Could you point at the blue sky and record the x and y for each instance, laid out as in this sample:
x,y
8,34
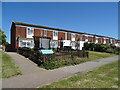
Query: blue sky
x,y
91,17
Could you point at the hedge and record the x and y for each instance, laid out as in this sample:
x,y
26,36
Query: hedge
x,y
102,47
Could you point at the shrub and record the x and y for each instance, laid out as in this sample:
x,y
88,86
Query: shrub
x,y
102,47
26,51
52,63
117,50
110,50
35,48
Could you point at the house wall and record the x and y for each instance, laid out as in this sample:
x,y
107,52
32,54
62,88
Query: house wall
x,y
61,36
13,37
19,31
102,40
68,36
50,34
90,39
83,37
113,41
94,39
99,40
77,37
107,41
38,32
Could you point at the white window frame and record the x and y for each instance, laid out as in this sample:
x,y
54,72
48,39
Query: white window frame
x,y
26,41
27,32
55,35
86,39
104,40
54,44
73,36
44,32
110,40
81,37
96,39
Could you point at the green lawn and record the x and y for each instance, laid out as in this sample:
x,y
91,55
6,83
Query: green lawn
x,y
99,55
103,77
54,63
8,66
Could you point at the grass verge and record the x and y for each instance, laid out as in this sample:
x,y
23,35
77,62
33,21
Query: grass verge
x,y
8,66
54,63
103,77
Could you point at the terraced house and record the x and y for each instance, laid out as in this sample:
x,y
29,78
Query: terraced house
x,y
22,35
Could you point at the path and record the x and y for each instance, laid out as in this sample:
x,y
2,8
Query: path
x,y
34,76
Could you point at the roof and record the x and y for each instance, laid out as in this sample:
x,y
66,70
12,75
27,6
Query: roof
x,y
45,27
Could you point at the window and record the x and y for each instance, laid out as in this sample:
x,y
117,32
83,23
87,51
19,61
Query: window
x,y
54,44
86,37
104,39
55,34
20,43
97,39
111,40
80,38
45,32
73,35
30,31
26,43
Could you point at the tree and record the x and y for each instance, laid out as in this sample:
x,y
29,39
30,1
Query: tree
x,y
2,37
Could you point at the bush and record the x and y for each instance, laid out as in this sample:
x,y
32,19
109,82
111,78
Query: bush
x,y
110,50
99,47
117,50
52,63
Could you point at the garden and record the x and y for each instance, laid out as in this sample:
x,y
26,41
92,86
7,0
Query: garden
x,y
60,58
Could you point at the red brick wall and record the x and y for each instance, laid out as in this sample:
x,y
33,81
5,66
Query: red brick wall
x,y
99,40
89,39
113,41
20,31
83,37
107,40
68,36
77,37
61,36
102,40
38,32
50,34
94,39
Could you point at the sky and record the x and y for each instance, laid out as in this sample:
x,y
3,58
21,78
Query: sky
x,y
99,18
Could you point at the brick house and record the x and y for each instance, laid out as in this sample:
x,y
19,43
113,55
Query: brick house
x,y
22,36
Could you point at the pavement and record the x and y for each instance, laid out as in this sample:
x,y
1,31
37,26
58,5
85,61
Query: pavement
x,y
34,76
